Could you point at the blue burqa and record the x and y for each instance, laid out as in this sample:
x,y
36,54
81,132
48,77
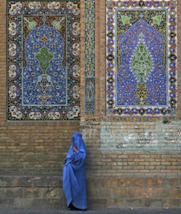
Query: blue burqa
x,y
74,183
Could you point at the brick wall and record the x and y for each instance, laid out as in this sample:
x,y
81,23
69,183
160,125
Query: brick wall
x,y
110,155
144,150
130,144
141,137
29,147
45,192
131,162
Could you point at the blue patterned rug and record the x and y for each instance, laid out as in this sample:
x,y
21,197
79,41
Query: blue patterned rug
x,y
141,57
43,60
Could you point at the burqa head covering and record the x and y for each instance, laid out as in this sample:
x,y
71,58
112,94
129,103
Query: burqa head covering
x,y
77,142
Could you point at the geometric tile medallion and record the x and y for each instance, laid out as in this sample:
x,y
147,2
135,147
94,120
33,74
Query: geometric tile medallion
x,y
141,57
43,60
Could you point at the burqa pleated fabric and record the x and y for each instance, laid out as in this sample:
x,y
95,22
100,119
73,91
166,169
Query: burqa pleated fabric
x,y
74,183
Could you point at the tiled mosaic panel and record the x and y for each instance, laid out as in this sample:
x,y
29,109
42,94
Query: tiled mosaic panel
x,y
89,56
43,60
141,57
90,95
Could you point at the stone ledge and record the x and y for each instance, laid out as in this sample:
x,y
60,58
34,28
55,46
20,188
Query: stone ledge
x,y
129,180
46,192
30,181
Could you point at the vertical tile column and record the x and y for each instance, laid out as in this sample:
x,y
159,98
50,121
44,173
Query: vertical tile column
x,y
89,57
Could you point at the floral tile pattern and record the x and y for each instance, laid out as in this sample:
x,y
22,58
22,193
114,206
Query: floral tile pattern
x,y
43,60
141,57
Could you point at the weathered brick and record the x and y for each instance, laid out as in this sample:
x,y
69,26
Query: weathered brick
x,y
127,158
171,203
177,193
116,203
153,182
135,203
92,193
97,203
171,182
6,204
153,203
120,193
135,182
14,193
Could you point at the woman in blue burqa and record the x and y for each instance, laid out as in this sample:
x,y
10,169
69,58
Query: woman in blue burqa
x,y
74,183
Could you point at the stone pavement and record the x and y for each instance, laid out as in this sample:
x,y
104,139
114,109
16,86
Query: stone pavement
x,y
108,211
